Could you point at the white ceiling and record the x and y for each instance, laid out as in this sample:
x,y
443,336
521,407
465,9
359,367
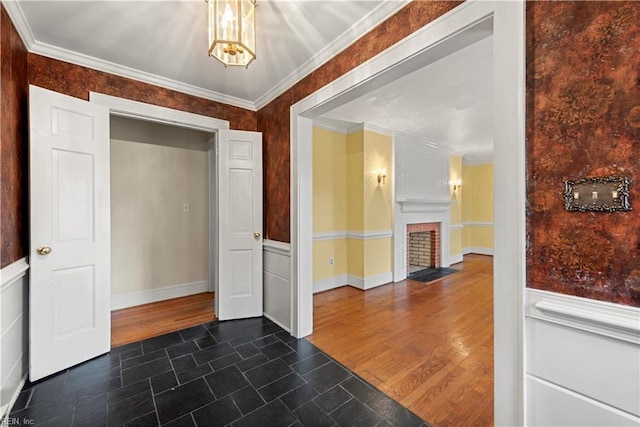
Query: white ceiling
x,y
165,43
448,103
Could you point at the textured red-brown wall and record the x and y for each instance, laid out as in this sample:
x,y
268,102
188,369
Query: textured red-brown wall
x,y
13,144
583,120
78,81
274,120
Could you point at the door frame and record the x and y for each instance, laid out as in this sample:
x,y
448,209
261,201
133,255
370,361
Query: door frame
x,y
508,20
154,113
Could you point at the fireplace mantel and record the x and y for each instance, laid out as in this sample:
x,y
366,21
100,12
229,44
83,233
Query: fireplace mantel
x,y
424,205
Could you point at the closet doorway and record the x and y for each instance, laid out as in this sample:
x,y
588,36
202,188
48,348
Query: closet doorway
x,y
159,228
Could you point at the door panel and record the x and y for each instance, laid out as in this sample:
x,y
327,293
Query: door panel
x,y
239,225
69,315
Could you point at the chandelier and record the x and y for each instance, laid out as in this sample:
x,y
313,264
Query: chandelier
x,y
232,31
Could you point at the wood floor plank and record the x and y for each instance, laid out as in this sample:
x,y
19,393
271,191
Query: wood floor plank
x,y
429,346
149,320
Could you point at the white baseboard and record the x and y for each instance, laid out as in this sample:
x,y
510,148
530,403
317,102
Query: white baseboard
x,y
358,282
154,295
454,259
330,283
274,320
365,283
477,250
6,409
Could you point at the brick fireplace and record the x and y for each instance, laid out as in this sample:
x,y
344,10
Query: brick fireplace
x,y
423,246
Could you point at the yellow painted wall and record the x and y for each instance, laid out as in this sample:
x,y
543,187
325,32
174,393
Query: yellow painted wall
x,y
329,202
377,256
355,181
323,250
378,206
347,197
355,252
455,211
477,205
482,196
329,181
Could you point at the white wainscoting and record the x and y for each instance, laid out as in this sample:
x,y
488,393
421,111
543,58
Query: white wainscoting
x,y
14,340
148,296
582,361
277,283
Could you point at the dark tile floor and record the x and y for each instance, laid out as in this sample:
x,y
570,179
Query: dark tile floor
x,y
430,274
239,373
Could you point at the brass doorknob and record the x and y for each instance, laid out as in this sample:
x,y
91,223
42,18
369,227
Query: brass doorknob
x,y
43,250
256,234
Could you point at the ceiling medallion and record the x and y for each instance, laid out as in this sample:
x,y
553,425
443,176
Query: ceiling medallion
x,y
232,31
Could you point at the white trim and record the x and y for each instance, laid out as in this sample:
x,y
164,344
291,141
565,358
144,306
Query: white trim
x,y
147,296
155,113
370,235
599,317
371,128
357,30
621,417
477,224
331,127
280,248
6,409
356,235
424,205
20,22
330,235
477,250
410,54
364,25
94,63
456,227
454,259
274,320
13,272
22,26
330,283
365,283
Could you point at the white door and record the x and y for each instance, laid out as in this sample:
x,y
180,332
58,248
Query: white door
x,y
69,301
239,225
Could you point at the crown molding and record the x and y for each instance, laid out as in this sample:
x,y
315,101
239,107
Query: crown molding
x,y
360,28
364,25
131,73
331,127
20,22
17,17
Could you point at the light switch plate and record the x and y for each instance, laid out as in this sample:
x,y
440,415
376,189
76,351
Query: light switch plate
x,y
604,194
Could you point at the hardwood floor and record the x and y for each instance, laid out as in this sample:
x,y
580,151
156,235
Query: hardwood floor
x,y
429,346
145,321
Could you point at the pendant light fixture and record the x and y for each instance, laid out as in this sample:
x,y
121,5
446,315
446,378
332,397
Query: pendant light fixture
x,y
232,31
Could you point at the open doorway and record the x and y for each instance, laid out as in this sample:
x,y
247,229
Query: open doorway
x,y
507,19
159,229
424,341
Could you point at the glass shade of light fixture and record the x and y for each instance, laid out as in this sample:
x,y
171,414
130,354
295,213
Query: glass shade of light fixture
x,y
232,31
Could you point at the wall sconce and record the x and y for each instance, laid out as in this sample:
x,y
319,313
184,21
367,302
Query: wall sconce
x,y
382,176
457,185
